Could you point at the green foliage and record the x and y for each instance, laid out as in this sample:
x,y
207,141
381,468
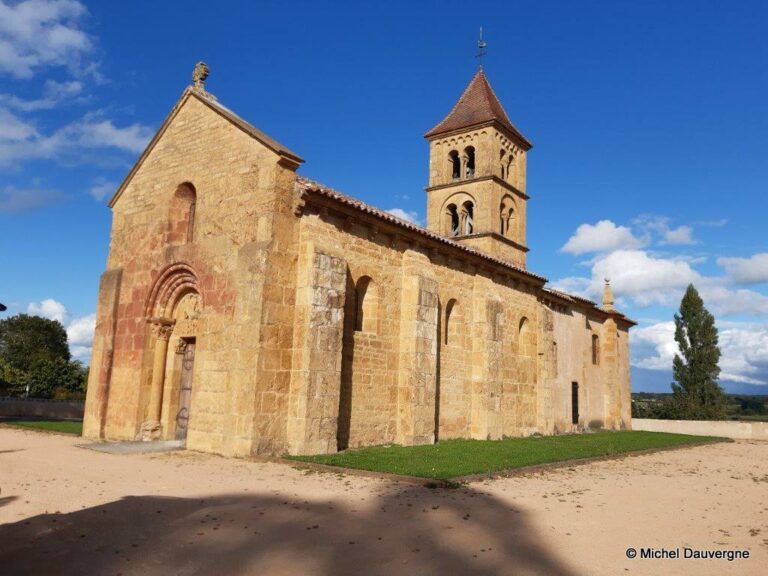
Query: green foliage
x,y
696,394
752,406
661,408
454,458
62,426
737,406
34,353
26,340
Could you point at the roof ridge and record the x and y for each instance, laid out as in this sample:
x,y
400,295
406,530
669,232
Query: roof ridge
x,y
307,184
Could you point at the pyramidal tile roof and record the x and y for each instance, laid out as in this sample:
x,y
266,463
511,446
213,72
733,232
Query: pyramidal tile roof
x,y
478,105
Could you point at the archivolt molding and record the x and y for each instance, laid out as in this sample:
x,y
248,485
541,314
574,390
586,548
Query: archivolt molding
x,y
171,285
459,198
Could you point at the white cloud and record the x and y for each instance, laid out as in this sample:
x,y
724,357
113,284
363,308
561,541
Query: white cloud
x,y
604,236
91,132
54,93
412,217
723,301
102,188
79,330
713,223
654,346
572,285
48,308
752,270
745,355
647,279
14,200
80,336
679,235
744,349
42,33
13,129
659,225
644,278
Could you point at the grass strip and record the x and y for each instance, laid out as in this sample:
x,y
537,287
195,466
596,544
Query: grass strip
x,y
61,426
454,458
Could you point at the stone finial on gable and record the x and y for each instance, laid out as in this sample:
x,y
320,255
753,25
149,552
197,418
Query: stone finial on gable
x,y
608,296
199,76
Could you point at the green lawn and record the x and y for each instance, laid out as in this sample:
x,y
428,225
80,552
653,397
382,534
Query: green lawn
x,y
455,458
65,427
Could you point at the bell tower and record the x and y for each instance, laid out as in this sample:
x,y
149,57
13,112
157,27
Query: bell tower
x,y
476,192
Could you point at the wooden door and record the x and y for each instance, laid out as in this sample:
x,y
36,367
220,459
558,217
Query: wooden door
x,y
185,393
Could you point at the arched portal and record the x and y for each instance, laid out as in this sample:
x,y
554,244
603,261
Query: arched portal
x,y
172,311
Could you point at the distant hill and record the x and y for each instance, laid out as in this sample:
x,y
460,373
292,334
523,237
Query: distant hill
x,y
644,380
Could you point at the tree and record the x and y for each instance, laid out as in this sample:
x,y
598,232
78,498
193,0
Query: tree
x,y
696,393
35,358
26,340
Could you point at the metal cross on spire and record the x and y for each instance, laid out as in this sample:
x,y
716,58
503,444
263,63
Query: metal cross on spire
x,y
481,46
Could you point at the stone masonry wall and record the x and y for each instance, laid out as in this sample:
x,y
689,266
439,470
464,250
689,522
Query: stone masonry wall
x,y
502,372
319,327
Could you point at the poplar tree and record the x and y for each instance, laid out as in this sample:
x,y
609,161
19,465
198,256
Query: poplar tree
x,y
696,393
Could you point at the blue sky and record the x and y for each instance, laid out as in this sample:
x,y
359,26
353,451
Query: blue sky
x,y
648,121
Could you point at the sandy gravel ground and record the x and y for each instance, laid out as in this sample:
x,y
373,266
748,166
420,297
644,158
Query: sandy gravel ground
x,y
66,510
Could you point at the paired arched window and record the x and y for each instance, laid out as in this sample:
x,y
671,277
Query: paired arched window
x,y
502,165
182,214
595,349
367,305
455,164
462,166
469,162
452,220
507,217
467,217
458,217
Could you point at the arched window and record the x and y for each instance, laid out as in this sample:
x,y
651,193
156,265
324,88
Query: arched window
x,y
507,216
450,324
367,300
455,164
182,216
467,217
451,221
508,165
595,349
469,159
526,340
501,162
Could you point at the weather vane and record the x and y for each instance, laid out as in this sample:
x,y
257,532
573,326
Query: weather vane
x,y
481,46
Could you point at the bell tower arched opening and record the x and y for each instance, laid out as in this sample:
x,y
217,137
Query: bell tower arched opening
x,y
477,150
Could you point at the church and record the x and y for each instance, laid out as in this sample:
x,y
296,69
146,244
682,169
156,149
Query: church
x,y
246,309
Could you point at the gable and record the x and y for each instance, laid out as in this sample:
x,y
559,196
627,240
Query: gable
x,y
284,155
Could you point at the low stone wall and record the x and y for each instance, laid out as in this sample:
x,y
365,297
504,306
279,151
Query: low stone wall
x,y
724,428
41,408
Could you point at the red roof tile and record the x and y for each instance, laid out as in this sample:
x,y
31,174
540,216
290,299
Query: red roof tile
x,y
477,105
304,184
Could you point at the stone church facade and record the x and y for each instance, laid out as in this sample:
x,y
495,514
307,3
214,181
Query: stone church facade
x,y
248,310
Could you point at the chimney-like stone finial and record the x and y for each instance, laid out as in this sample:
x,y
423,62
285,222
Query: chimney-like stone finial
x,y
608,296
199,75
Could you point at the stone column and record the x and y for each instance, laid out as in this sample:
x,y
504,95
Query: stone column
x,y
417,375
161,331
99,376
313,406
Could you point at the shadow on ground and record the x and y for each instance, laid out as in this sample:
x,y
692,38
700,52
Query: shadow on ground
x,y
404,530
